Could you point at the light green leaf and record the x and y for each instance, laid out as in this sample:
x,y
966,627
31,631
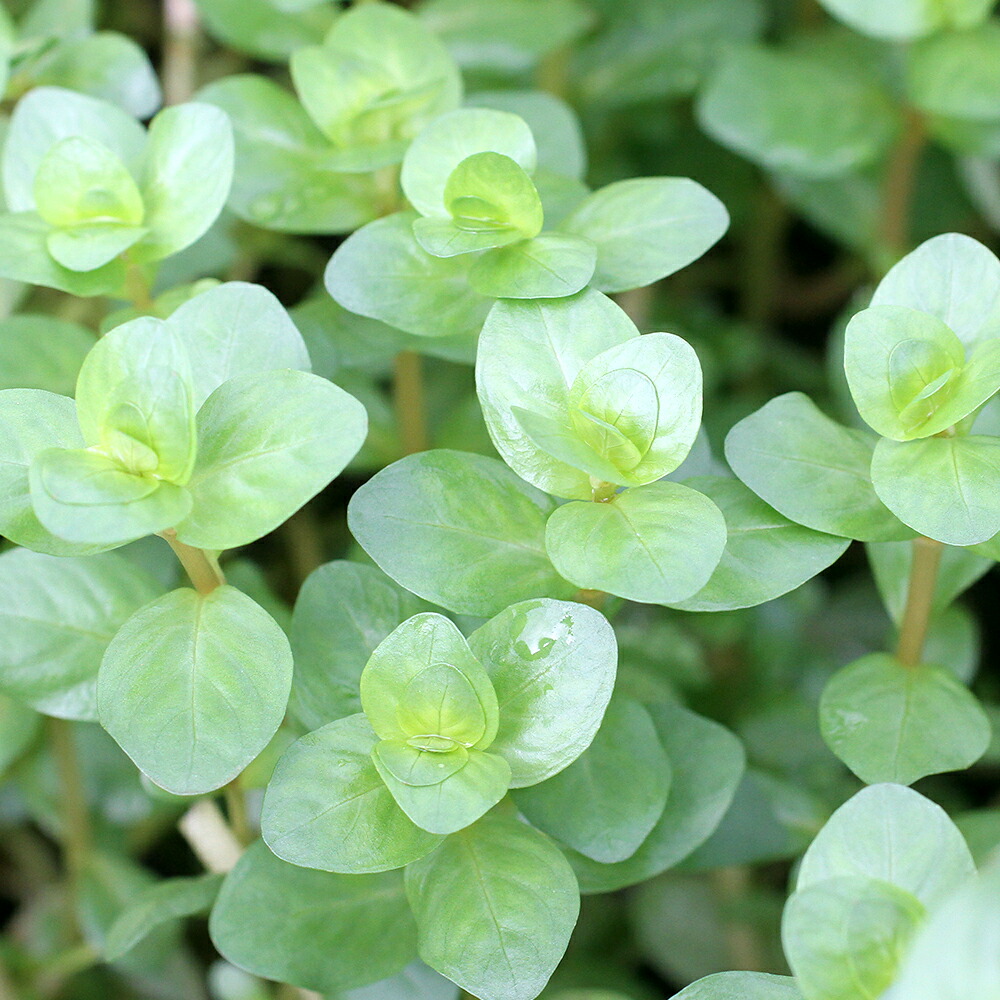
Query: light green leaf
x,y
657,544
382,272
85,497
327,807
235,329
316,930
942,487
908,372
442,238
21,726
706,765
187,176
80,180
57,616
530,353
646,228
552,664
33,421
893,834
47,115
809,468
423,679
846,937
766,555
607,801
90,246
195,727
902,20
343,611
42,352
549,266
952,277
458,799
742,986
445,143
282,179
267,443
490,190
495,906
790,112
160,904
25,256
260,28
416,982
889,722
107,65
412,519
955,955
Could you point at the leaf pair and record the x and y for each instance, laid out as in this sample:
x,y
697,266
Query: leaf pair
x,y
199,423
447,727
84,184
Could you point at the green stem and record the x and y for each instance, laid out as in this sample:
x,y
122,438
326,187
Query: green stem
x,y
76,819
900,183
919,599
137,287
236,807
761,275
181,39
408,396
202,567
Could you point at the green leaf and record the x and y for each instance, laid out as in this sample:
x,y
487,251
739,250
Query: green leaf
x,y
893,834
955,956
235,329
274,438
787,111
187,176
549,266
382,272
33,420
442,238
942,487
343,611
530,353
552,664
646,228
607,801
490,190
742,986
706,765
260,28
90,246
106,65
327,807
495,906
21,726
412,519
847,936
415,982
194,728
436,152
424,679
952,277
658,544
162,903
316,930
58,616
47,115
766,555
890,722
902,20
80,180
83,496
458,799
908,372
42,352
809,468
25,256
282,179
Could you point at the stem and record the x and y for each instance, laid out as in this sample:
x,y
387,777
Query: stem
x,y
304,543
919,598
180,50
761,274
76,819
137,287
201,566
732,885
408,395
236,806
213,843
900,181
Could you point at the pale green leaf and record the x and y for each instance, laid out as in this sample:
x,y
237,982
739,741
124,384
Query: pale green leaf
x,y
549,266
